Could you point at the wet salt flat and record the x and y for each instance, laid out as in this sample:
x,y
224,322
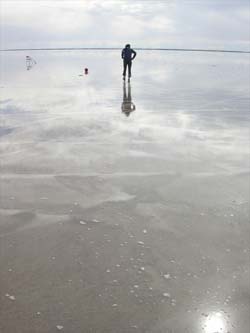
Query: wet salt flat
x,y
124,207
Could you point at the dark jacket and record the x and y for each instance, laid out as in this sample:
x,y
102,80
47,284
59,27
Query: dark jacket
x,y
128,54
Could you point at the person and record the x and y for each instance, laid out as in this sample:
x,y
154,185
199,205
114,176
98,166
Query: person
x,y
128,55
30,62
127,105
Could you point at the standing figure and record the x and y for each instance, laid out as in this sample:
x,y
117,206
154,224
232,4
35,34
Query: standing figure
x,y
128,55
30,62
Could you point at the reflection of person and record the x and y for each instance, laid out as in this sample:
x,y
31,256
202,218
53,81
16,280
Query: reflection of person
x,y
128,55
127,104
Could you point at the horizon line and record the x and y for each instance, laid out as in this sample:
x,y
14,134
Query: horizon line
x,y
119,48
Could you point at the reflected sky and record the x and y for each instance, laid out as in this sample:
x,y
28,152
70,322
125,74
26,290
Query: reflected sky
x,y
180,161
194,104
215,323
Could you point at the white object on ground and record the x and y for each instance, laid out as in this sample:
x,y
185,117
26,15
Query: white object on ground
x,y
59,327
96,221
13,298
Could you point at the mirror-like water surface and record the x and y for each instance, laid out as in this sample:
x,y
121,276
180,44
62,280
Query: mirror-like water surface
x,y
124,206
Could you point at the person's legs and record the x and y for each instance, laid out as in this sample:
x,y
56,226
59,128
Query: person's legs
x,y
129,68
124,68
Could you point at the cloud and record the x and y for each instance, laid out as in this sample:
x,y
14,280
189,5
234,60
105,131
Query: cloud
x,y
201,24
45,15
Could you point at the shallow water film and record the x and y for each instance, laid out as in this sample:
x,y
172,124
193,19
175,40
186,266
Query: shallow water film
x,y
124,205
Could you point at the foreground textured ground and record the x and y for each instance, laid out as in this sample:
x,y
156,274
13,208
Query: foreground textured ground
x,y
124,222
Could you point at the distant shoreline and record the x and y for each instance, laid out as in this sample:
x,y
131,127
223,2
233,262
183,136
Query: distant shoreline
x,y
116,48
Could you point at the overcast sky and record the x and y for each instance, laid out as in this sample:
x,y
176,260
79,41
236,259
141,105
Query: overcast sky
x,y
220,24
